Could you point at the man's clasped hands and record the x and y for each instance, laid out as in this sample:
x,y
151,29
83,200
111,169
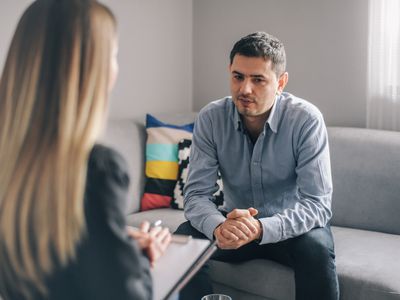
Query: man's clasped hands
x,y
239,228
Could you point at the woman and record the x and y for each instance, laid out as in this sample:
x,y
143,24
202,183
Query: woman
x,y
62,227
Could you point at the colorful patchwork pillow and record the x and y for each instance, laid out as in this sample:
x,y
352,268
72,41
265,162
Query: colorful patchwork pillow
x,y
162,161
183,157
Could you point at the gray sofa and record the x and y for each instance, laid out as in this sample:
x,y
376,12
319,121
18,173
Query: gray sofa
x,y
366,222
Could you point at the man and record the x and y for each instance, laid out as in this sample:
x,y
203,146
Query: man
x,y
272,151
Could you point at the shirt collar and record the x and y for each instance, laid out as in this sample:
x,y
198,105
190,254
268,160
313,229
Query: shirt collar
x,y
272,120
236,118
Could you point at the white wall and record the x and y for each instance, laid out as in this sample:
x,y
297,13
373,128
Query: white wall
x,y
325,41
155,54
174,53
10,12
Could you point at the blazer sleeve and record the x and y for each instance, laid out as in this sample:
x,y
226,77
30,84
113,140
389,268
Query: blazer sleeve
x,y
113,265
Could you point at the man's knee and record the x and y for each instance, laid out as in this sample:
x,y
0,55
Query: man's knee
x,y
314,247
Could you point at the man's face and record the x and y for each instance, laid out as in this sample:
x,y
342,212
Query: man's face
x,y
254,85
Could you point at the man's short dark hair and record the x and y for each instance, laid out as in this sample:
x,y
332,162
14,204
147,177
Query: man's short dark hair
x,y
262,44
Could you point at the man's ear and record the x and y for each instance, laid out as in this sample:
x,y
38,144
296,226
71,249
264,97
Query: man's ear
x,y
282,81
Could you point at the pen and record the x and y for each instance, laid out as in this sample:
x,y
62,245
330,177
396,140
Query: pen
x,y
156,223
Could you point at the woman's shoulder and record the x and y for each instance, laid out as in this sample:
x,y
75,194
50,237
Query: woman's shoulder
x,y
104,157
107,162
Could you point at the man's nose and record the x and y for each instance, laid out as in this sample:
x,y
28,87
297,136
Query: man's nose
x,y
246,87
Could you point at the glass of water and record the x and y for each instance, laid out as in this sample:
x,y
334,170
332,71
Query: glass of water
x,y
216,297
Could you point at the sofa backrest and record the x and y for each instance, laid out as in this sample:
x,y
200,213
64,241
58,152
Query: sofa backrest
x,y
128,137
366,178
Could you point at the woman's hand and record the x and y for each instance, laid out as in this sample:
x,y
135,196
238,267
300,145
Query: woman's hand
x,y
152,240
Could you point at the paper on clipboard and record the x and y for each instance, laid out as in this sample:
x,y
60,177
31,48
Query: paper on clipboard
x,y
178,265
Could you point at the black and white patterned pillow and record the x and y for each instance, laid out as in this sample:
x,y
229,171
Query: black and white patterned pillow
x,y
183,161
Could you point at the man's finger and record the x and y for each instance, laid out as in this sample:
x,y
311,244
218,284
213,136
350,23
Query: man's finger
x,y
229,235
237,213
219,235
224,243
236,226
239,233
249,224
253,211
231,244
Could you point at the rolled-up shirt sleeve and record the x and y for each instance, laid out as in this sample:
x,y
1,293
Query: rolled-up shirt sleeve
x,y
199,204
313,206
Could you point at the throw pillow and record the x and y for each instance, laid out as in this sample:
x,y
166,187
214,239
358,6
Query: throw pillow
x,y
162,161
183,157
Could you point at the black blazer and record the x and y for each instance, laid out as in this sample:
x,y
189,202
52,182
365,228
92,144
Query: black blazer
x,y
109,265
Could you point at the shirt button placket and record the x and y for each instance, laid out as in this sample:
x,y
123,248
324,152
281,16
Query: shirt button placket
x,y
256,173
254,183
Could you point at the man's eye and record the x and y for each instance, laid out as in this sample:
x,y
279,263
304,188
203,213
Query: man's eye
x,y
238,77
259,80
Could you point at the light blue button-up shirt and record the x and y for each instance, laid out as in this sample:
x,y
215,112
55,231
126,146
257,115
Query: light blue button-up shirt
x,y
285,174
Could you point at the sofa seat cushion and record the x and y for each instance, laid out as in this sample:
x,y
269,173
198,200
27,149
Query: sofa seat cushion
x,y
367,264
170,217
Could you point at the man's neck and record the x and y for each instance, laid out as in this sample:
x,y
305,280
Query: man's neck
x,y
255,125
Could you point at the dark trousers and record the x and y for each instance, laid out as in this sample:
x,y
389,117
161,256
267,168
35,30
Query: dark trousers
x,y
311,256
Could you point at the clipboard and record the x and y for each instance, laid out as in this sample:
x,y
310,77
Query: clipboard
x,y
178,265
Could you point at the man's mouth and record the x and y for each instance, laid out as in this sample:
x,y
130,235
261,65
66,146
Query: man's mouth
x,y
245,101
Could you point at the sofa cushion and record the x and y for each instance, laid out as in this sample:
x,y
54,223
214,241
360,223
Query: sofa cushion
x,y
366,177
162,161
365,265
183,161
183,158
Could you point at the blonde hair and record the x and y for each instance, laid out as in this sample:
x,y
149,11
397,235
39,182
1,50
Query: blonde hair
x,y
53,101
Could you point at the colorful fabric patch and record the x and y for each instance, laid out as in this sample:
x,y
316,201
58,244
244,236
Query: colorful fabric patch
x,y
162,161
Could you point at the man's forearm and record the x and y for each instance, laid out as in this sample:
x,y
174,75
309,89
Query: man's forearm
x,y
306,215
203,215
